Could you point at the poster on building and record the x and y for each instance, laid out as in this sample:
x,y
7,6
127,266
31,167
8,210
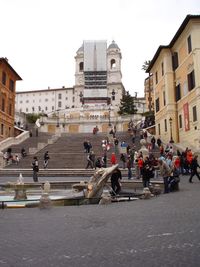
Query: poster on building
x,y
186,116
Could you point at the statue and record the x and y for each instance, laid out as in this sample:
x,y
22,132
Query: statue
x,y
20,180
94,188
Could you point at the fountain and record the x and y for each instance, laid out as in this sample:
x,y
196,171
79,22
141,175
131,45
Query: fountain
x,y
81,193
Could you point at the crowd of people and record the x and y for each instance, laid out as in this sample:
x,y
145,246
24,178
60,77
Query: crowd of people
x,y
170,164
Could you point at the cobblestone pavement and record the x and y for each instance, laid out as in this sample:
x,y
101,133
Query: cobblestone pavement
x,y
163,231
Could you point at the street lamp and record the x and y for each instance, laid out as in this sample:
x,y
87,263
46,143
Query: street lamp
x,y
58,123
64,121
109,110
42,117
170,124
81,97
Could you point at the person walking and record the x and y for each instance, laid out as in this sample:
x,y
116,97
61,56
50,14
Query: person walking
x,y
89,161
165,172
113,159
193,166
115,181
123,160
35,166
46,159
128,165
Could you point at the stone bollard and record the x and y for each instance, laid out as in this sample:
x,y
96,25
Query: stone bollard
x,y
146,193
2,161
45,201
105,198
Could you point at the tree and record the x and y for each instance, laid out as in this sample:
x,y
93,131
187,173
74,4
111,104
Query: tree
x,y
146,65
31,117
127,105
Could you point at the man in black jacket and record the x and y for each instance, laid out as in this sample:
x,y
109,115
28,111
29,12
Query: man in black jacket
x,y
193,167
115,181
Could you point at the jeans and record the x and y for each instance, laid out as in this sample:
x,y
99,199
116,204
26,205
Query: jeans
x,y
166,184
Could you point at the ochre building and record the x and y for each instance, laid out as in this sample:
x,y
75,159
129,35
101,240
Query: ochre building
x,y
8,78
176,82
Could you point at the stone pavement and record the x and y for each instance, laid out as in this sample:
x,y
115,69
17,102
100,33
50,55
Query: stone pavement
x,y
163,231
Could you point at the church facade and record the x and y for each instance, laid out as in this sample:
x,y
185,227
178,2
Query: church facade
x,y
94,100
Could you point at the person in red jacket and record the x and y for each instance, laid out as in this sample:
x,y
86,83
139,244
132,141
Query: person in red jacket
x,y
113,159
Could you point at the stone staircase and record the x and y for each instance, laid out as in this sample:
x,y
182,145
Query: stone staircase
x,y
67,156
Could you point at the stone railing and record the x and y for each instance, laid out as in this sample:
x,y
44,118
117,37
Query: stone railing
x,y
14,140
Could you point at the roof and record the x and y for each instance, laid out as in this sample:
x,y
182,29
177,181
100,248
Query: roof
x,y
5,61
44,90
113,45
80,49
174,39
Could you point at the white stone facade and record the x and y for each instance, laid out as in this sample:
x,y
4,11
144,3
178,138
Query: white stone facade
x,y
45,101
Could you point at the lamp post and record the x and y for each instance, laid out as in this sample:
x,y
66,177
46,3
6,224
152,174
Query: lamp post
x,y
109,110
64,121
170,124
42,117
81,97
58,123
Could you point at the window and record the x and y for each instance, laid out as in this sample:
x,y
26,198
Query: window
x,y
189,43
3,104
180,121
11,85
46,99
164,98
158,128
112,64
113,97
4,78
81,66
39,108
46,108
59,96
157,105
162,68
165,122
59,104
194,112
26,109
2,129
27,101
191,80
33,109
52,108
10,110
177,92
156,77
175,60
73,99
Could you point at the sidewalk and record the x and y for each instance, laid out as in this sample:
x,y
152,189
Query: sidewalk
x,y
163,231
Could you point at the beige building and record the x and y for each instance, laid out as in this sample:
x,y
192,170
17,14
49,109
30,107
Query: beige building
x,y
148,93
176,81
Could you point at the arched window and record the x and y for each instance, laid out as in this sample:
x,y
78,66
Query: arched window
x,y
81,66
112,63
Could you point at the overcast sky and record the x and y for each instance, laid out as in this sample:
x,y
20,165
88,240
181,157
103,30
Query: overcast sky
x,y
40,37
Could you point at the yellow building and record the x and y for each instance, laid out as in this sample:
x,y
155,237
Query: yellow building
x,y
8,78
176,82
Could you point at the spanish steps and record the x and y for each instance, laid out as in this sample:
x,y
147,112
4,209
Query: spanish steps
x,y
67,155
